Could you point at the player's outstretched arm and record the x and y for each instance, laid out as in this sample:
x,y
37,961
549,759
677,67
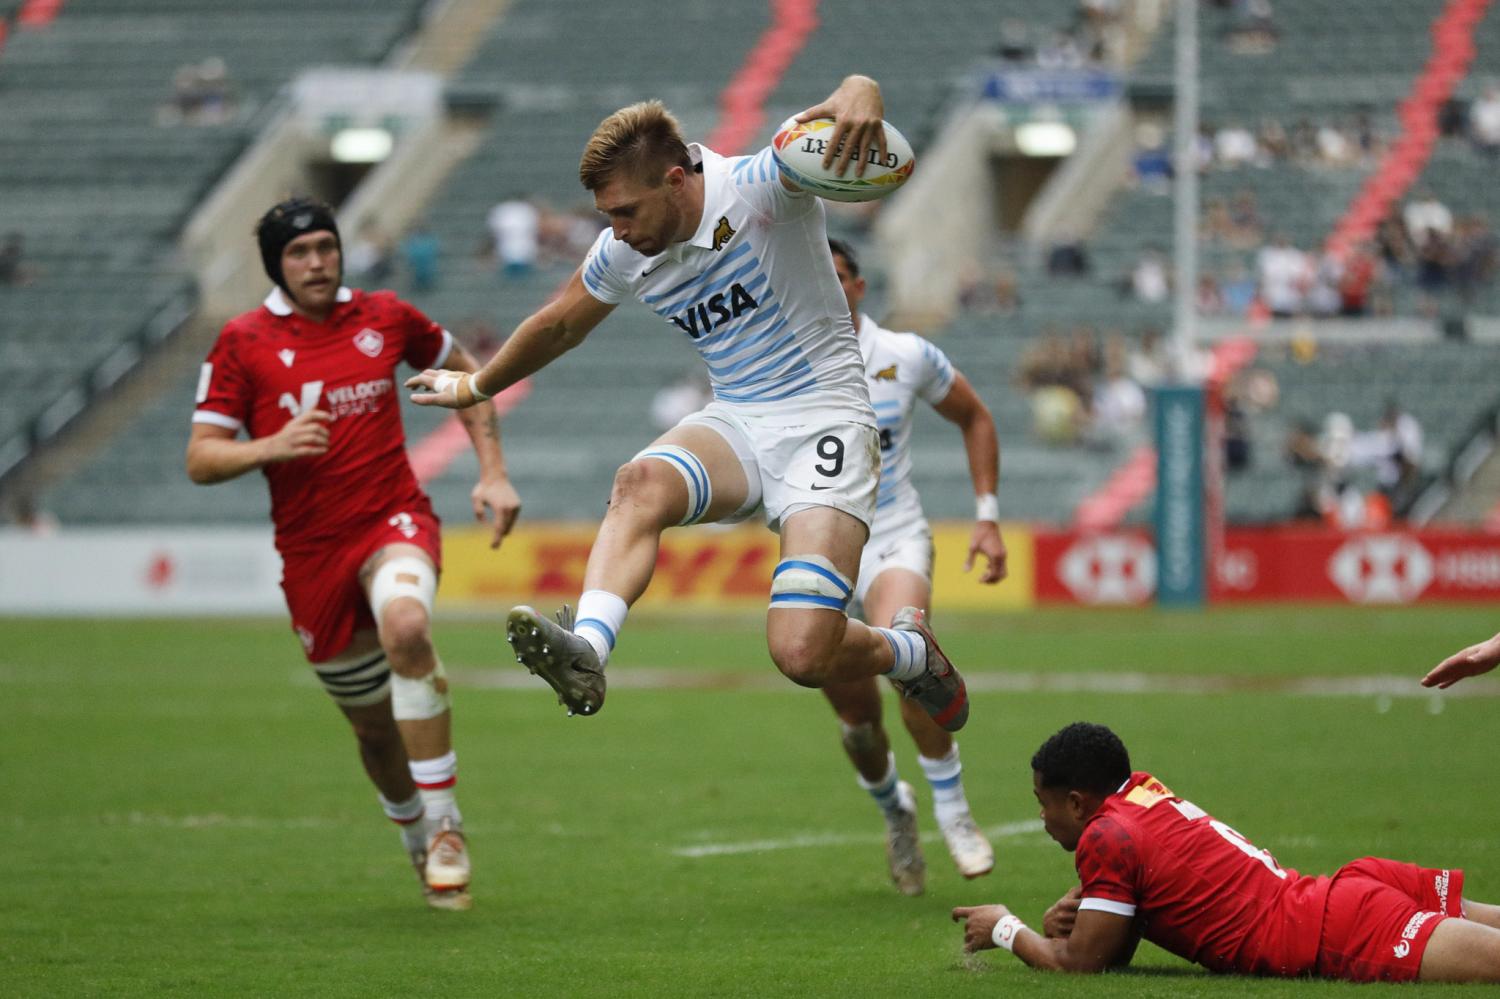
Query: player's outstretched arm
x,y
1098,940
858,111
963,407
214,455
1472,661
542,337
493,491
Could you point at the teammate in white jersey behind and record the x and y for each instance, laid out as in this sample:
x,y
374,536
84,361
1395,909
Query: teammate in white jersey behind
x,y
734,256
896,571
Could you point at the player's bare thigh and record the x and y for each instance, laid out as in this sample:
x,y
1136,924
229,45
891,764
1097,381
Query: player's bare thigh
x,y
1461,950
892,590
726,474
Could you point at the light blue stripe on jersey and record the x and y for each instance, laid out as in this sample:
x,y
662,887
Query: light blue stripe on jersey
x,y
728,258
703,293
735,367
762,314
775,392
773,371
887,404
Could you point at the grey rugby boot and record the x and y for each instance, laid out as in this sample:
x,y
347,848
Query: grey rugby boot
x,y
566,661
903,844
940,690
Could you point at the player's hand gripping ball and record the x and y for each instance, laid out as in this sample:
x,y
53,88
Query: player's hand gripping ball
x,y
799,148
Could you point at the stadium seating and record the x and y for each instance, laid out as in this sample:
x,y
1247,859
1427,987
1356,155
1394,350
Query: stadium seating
x,y
99,190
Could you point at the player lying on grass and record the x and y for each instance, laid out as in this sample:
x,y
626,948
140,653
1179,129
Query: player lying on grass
x,y
734,257
895,571
1153,865
1472,661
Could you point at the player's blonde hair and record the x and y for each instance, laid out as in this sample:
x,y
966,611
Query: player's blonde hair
x,y
643,140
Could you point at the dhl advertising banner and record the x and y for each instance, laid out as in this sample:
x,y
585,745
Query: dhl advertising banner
x,y
705,568
1278,564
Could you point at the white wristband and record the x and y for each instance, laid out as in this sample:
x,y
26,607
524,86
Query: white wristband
x,y
474,387
1004,933
987,507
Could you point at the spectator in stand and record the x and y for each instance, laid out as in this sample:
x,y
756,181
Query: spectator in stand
x,y
1244,215
1356,280
1153,160
1238,290
1285,275
1393,247
1068,258
1434,268
1336,147
1119,403
13,269
514,226
1323,296
1252,29
1151,363
1484,121
369,257
1015,42
1304,141
1424,214
1395,449
420,251
1273,139
201,95
1474,257
1210,296
1149,279
1235,145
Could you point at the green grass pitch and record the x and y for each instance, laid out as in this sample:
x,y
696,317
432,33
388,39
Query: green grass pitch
x,y
185,816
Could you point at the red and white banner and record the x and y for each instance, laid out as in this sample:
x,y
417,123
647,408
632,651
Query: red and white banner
x,y
1276,564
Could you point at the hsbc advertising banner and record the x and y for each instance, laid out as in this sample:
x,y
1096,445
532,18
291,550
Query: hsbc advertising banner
x,y
1278,564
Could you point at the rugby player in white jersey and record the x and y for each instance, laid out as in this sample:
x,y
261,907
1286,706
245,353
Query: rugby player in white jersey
x,y
735,258
896,571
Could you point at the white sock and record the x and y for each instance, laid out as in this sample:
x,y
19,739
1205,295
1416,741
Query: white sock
x,y
885,790
910,653
601,615
408,818
946,777
435,781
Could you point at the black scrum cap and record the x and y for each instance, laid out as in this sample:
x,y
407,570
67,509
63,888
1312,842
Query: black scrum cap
x,y
284,223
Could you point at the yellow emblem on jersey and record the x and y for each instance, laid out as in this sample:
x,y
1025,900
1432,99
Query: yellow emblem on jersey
x,y
722,232
1148,793
885,374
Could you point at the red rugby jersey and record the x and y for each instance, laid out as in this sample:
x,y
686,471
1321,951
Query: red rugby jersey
x,y
270,364
1203,891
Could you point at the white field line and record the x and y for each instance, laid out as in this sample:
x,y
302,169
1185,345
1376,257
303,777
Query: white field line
x,y
804,840
770,681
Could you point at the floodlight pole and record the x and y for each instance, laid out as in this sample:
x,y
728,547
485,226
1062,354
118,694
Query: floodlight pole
x,y
1185,187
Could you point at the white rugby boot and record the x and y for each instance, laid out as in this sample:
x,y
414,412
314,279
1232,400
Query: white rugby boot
x,y
967,845
445,869
903,844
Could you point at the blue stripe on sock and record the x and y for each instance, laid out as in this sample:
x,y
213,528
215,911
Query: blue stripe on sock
x,y
598,625
943,783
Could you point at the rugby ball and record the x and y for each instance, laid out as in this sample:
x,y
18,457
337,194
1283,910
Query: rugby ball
x,y
799,148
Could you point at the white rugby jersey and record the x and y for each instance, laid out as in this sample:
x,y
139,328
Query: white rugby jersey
x,y
754,289
900,368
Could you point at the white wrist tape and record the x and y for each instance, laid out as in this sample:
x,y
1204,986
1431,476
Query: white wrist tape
x,y
987,507
1004,933
474,387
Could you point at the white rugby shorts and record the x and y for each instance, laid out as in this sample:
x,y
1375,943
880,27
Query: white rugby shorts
x,y
908,547
834,462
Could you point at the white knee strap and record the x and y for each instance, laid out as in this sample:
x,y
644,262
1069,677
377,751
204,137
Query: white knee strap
x,y
356,681
810,581
416,700
402,576
700,490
